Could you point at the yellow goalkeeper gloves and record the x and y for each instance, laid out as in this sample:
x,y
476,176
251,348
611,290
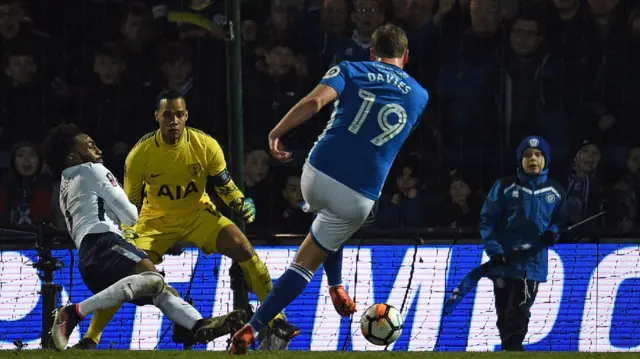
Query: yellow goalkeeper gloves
x,y
129,234
244,207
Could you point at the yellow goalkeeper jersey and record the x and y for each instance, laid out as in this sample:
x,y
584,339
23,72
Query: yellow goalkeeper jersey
x,y
173,176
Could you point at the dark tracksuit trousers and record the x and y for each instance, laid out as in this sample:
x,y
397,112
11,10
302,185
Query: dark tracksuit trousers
x,y
514,299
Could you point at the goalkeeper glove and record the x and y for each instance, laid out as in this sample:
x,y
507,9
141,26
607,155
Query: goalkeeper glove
x,y
244,207
129,234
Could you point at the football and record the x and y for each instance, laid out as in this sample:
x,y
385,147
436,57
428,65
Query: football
x,y
381,324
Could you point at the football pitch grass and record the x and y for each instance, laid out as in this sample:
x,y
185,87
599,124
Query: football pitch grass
x,y
125,354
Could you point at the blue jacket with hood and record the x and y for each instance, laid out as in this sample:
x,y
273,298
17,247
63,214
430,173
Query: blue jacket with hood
x,y
518,210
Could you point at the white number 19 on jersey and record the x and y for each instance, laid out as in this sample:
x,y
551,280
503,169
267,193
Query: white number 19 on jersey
x,y
388,131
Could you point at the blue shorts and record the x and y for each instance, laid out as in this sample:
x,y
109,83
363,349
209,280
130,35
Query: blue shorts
x,y
105,258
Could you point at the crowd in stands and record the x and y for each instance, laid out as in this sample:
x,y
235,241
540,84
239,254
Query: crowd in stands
x,y
496,71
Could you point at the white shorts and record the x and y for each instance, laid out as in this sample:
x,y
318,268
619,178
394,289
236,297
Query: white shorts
x,y
340,210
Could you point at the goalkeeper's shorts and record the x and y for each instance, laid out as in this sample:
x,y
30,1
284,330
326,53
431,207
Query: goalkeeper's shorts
x,y
340,210
201,229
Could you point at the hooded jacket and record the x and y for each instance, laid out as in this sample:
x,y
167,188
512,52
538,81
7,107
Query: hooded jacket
x,y
518,210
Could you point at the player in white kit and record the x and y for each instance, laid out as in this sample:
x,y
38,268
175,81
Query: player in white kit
x,y
376,105
115,270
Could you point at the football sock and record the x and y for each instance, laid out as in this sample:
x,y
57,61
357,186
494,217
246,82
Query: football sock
x,y
333,268
176,309
288,287
257,276
99,321
124,290
102,317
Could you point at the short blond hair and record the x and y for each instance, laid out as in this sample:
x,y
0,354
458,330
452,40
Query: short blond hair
x,y
389,41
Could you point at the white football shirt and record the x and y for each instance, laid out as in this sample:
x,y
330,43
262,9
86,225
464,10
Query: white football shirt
x,y
92,201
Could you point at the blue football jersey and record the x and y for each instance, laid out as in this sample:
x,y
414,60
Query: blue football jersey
x,y
377,106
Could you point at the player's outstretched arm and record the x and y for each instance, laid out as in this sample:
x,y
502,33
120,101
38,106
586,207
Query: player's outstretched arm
x,y
224,185
113,196
134,176
330,87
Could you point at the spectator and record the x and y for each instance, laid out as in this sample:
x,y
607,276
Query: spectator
x,y
584,188
257,184
291,218
281,28
527,61
279,81
469,87
138,40
250,36
626,97
414,14
30,103
566,29
335,25
108,108
566,9
461,209
12,15
401,206
25,192
175,64
367,16
16,29
421,21
401,10
191,19
601,121
199,25
625,195
335,17
109,64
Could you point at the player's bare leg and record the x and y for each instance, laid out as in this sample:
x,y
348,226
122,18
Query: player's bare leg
x,y
307,261
232,243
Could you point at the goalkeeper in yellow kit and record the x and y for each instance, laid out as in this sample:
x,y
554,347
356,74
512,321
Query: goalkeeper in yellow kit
x,y
172,165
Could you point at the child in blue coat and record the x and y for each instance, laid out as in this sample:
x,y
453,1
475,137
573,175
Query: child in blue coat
x,y
525,208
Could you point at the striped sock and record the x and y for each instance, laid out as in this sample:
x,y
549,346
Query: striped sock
x,y
288,287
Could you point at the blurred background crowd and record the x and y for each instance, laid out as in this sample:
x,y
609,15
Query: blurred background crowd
x,y
496,71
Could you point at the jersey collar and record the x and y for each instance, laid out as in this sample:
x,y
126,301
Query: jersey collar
x,y
390,65
185,138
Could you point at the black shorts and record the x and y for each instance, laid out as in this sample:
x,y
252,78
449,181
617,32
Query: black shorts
x,y
105,258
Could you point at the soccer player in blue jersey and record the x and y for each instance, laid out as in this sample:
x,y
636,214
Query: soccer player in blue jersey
x,y
376,106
